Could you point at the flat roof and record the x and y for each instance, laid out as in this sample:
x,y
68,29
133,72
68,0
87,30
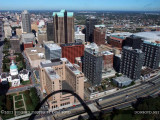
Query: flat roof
x,y
51,73
61,13
150,36
53,46
28,37
122,79
73,69
131,49
107,53
100,26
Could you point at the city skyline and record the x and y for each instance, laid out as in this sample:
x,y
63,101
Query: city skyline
x,y
121,5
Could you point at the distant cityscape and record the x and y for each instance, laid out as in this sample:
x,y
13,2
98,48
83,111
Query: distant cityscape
x,y
110,59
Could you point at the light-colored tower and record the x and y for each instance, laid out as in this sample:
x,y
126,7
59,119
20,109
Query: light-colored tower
x,y
26,22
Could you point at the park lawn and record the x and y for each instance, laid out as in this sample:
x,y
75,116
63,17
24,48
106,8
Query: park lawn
x,y
25,82
19,104
19,97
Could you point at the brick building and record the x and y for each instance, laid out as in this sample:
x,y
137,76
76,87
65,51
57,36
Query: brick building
x,y
116,41
99,34
72,50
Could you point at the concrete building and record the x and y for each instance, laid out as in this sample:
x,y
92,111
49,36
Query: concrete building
x,y
63,27
131,62
28,40
15,44
134,42
7,30
42,37
26,22
90,23
152,54
18,32
78,61
52,51
35,55
122,81
50,33
61,74
99,34
92,64
79,36
72,50
116,62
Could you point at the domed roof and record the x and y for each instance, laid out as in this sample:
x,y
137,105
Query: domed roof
x,y
13,66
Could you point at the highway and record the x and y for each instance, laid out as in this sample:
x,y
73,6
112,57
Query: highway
x,y
121,99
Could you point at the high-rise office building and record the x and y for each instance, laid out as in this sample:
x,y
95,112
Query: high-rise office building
x,y
52,51
92,65
72,50
134,42
90,23
99,34
26,22
60,74
63,27
152,54
50,33
131,62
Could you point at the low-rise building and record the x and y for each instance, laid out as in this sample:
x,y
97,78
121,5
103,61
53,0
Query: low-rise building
x,y
122,81
28,40
35,56
15,44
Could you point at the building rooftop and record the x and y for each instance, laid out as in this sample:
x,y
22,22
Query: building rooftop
x,y
122,79
14,38
35,53
48,63
15,77
149,36
131,49
107,53
24,71
51,73
61,13
100,26
152,43
28,38
71,44
52,46
73,69
121,34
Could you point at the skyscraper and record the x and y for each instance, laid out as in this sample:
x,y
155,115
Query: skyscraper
x,y
152,54
90,23
26,22
50,33
92,64
63,27
131,62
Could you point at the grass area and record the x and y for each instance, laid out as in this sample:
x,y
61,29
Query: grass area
x,y
19,104
25,82
19,97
